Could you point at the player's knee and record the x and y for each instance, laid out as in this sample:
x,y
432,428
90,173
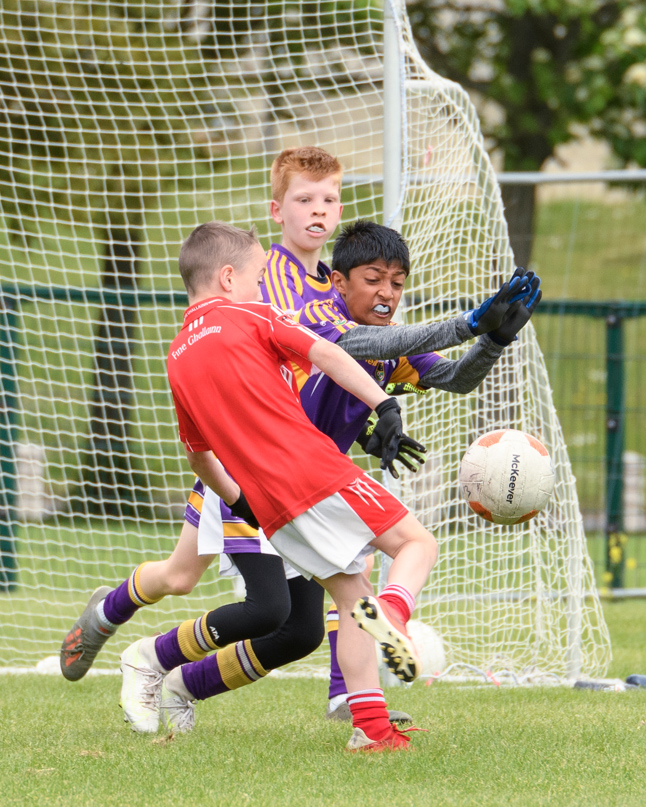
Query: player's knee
x,y
179,584
305,639
424,541
267,616
431,548
427,548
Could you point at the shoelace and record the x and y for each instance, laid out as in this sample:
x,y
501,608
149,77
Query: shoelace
x,y
405,731
402,732
150,689
79,647
182,713
71,650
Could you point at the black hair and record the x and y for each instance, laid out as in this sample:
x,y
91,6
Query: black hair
x,y
365,242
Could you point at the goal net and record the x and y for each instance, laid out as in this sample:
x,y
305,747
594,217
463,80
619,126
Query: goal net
x,y
123,126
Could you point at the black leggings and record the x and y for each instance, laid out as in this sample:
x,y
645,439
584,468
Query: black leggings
x,y
283,618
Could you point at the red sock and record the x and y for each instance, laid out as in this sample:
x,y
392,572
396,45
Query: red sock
x,y
400,600
368,707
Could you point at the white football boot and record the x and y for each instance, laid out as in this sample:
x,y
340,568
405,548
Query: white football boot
x,y
176,708
141,686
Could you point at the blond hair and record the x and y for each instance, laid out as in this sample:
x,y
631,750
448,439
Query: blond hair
x,y
210,247
312,161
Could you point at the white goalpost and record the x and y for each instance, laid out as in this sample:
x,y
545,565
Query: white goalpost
x,y
121,129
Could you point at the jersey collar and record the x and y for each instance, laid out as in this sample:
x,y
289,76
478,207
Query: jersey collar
x,y
321,282
200,308
339,303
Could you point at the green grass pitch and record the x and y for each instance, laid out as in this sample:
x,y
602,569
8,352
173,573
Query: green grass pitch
x,y
268,744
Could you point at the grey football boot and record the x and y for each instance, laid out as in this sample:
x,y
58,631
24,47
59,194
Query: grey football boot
x,y
87,637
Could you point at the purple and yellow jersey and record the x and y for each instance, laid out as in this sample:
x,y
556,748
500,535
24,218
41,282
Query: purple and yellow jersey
x,y
233,526
331,409
195,503
287,284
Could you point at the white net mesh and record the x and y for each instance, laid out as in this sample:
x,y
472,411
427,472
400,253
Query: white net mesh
x,y
122,126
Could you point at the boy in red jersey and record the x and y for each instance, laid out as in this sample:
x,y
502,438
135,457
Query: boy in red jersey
x,y
146,661
306,188
322,513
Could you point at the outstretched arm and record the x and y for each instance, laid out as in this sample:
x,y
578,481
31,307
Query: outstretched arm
x,y
378,342
467,372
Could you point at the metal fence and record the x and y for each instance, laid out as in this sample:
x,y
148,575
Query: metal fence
x,y
589,246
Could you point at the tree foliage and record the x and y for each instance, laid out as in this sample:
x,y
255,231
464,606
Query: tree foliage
x,y
99,104
554,68
100,101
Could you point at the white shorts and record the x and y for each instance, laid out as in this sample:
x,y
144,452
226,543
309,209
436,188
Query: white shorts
x,y
334,536
212,541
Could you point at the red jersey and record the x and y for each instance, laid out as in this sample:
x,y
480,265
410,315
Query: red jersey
x,y
235,393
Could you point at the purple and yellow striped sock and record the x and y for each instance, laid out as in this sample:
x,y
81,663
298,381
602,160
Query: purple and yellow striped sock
x,y
122,603
233,667
190,642
337,683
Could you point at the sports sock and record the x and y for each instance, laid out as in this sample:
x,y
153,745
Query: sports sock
x,y
122,603
337,684
368,707
336,701
190,642
232,667
104,622
400,600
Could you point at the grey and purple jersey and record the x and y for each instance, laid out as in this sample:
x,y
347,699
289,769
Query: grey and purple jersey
x,y
333,410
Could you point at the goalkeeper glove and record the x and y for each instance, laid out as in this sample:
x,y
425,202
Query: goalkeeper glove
x,y
387,434
526,278
241,509
403,388
490,314
411,454
518,315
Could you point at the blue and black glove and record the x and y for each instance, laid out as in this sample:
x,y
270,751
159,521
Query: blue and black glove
x,y
241,509
519,314
490,314
410,453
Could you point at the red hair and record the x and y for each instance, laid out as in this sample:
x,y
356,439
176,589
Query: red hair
x,y
312,161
